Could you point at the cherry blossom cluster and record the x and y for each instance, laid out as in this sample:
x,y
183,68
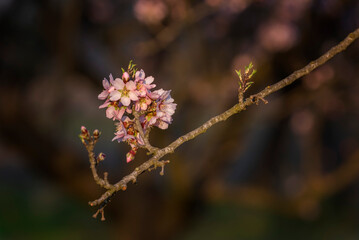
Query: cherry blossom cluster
x,y
131,98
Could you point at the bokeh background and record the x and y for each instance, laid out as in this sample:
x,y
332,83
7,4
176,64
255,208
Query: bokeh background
x,y
285,170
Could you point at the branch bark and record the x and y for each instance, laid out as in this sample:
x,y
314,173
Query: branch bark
x,y
155,162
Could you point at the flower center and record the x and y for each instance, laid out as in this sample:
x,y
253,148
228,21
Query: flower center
x,y
125,91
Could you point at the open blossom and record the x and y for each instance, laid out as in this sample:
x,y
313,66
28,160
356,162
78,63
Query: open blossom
x,y
115,113
125,131
133,92
165,109
121,133
108,88
143,85
125,92
143,103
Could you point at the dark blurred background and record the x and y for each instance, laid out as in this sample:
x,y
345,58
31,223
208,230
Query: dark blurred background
x,y
285,170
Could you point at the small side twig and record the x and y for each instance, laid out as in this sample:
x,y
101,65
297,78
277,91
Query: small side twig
x,y
255,98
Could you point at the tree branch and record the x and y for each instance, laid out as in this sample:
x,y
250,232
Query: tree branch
x,y
155,162
144,137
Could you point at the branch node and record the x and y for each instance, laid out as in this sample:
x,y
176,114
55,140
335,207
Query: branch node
x,y
133,179
255,99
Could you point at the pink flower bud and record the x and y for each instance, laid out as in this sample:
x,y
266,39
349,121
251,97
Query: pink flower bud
x,y
83,130
85,133
131,155
125,77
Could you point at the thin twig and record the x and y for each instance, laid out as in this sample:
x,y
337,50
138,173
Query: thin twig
x,y
101,182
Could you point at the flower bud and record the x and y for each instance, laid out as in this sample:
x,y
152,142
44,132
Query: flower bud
x,y
96,134
125,77
85,133
83,130
101,157
131,155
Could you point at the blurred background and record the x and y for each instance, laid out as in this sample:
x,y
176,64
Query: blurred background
x,y
285,170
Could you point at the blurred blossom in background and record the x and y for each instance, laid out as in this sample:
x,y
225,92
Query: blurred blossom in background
x,y
285,170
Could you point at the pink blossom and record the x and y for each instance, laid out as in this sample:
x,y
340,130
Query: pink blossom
x,y
124,92
108,88
156,94
115,113
140,75
154,107
142,104
165,109
120,133
143,84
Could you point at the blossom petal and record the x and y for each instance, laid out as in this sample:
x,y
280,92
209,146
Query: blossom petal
x,y
150,86
111,89
120,114
115,138
137,106
105,84
118,83
148,101
125,101
143,106
153,95
140,74
103,95
110,112
130,85
152,121
111,79
128,137
105,104
162,125
142,93
115,95
119,136
129,110
140,140
133,96
149,80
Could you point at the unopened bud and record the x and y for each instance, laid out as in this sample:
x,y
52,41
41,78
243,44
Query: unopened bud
x,y
84,132
131,154
83,129
125,76
101,157
96,133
